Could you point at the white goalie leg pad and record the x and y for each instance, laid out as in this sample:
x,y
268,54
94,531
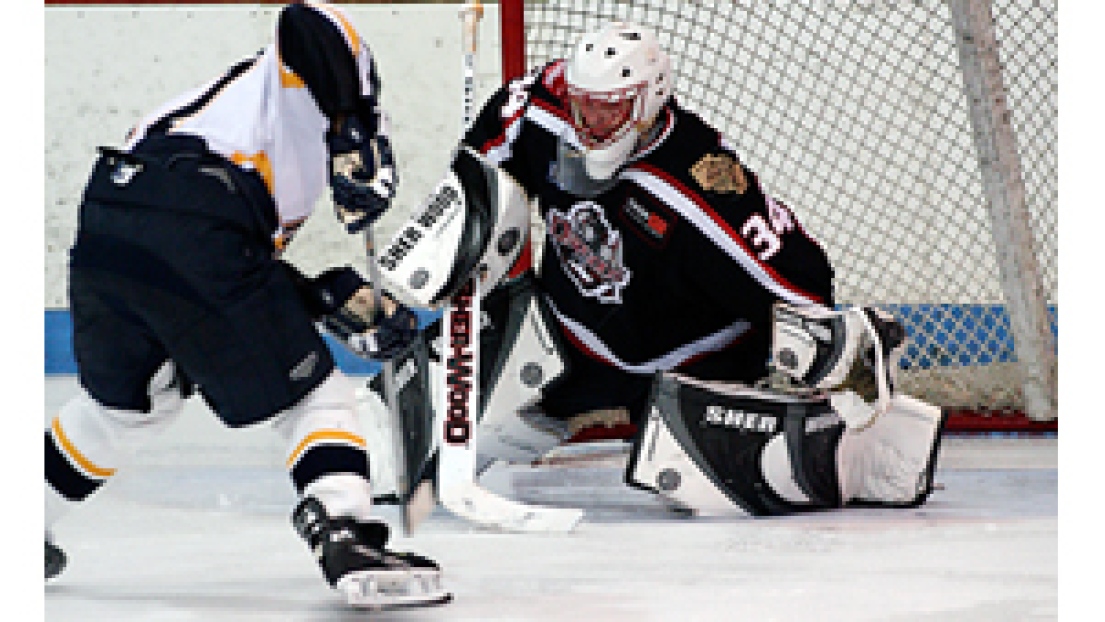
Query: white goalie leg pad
x,y
99,440
476,221
530,358
663,462
723,448
891,461
853,409
778,471
519,436
327,416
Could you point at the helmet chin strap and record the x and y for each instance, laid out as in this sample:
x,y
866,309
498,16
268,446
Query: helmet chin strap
x,y
603,164
640,138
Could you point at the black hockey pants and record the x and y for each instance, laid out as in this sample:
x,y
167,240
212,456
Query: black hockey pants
x,y
173,260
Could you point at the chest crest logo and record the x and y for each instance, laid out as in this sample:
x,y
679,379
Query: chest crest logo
x,y
719,173
589,250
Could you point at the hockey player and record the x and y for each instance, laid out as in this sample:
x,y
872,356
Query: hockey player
x,y
176,285
666,267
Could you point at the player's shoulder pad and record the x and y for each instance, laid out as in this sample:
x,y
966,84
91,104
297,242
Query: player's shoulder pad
x,y
548,82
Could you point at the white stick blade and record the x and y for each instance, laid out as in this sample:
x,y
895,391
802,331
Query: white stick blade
x,y
478,505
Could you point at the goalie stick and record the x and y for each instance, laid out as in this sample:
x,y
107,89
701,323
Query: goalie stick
x,y
388,390
456,488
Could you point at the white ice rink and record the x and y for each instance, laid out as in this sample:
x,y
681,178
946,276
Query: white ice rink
x,y
208,539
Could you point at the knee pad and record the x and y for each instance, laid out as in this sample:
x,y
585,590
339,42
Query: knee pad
x,y
891,461
326,452
102,439
821,349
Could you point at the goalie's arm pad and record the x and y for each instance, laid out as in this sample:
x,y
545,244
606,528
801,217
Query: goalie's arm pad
x,y
476,221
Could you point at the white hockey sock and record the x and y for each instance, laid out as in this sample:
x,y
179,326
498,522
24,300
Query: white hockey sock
x,y
57,507
326,447
96,441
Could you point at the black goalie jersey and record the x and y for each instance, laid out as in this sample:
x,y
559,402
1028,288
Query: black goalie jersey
x,y
674,267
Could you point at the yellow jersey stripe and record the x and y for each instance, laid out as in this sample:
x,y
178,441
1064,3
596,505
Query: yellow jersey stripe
x,y
288,78
347,28
259,162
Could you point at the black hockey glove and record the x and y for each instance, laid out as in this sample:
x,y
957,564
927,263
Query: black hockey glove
x,y
351,316
362,174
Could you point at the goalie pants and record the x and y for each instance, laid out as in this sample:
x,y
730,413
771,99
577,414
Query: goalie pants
x,y
593,383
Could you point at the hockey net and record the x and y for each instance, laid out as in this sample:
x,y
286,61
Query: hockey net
x,y
917,141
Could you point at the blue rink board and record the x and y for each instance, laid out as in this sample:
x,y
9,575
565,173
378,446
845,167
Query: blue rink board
x,y
940,335
60,361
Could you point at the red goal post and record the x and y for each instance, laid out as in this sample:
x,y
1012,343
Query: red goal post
x,y
917,141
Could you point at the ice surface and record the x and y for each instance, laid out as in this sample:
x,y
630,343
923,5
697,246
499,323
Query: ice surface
x,y
205,536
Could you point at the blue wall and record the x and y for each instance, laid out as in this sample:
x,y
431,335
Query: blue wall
x,y
59,346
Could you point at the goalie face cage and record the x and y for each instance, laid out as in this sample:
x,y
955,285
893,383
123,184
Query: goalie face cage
x,y
917,141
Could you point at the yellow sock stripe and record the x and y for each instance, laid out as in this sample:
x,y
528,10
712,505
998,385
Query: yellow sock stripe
x,y
77,456
324,435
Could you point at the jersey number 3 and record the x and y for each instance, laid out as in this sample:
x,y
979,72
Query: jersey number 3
x,y
766,238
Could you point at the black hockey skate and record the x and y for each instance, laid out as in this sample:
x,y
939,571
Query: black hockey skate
x,y
355,562
55,559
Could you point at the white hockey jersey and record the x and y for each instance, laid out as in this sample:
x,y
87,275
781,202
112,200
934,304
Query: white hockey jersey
x,y
269,113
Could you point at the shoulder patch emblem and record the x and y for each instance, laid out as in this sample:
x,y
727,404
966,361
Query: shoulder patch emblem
x,y
719,173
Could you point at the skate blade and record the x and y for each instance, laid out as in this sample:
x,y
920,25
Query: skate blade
x,y
390,589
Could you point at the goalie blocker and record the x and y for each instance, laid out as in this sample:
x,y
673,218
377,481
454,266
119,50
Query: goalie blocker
x,y
476,221
724,449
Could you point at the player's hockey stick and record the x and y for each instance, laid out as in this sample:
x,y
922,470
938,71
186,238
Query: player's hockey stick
x,y
387,370
457,489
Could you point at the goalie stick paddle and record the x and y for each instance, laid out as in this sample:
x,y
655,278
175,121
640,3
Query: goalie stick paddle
x,y
387,368
403,385
456,488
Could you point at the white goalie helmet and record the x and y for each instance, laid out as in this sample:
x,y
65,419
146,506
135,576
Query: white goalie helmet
x,y
618,79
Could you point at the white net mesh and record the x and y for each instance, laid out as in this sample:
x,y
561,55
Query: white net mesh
x,y
855,115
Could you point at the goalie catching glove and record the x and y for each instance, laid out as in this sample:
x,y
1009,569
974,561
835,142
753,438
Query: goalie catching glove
x,y
362,173
350,313
856,348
